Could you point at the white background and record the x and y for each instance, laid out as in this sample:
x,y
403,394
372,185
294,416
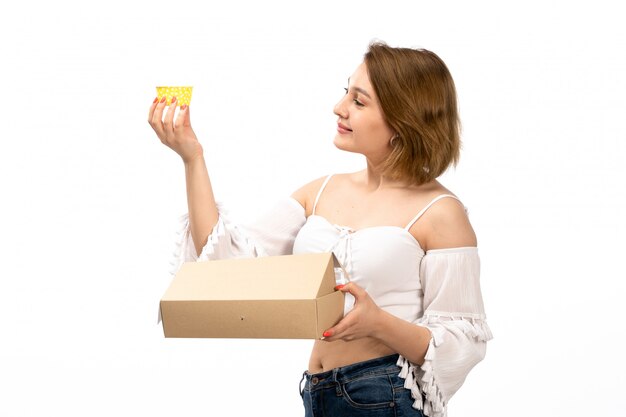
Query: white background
x,y
91,197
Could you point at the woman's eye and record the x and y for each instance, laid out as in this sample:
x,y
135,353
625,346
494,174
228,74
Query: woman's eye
x,y
356,101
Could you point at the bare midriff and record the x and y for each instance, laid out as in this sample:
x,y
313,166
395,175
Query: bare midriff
x,y
328,355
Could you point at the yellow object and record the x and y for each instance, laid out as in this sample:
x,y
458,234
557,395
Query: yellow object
x,y
182,94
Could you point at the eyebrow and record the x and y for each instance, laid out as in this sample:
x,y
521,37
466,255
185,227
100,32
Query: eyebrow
x,y
360,90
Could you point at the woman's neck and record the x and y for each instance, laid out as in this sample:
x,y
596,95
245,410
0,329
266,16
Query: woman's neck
x,y
374,180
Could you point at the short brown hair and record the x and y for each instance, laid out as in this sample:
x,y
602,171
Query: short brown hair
x,y
418,99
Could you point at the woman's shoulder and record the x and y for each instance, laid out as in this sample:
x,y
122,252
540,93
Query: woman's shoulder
x,y
446,220
305,195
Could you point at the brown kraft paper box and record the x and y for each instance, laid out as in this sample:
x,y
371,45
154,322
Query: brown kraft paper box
x,y
285,297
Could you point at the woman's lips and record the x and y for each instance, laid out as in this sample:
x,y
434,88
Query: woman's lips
x,y
343,129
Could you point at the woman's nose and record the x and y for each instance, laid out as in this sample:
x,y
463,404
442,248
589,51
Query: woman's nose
x,y
340,109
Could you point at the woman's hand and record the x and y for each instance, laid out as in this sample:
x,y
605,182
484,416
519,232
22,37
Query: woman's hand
x,y
362,321
178,135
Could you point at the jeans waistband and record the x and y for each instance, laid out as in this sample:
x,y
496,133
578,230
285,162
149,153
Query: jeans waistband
x,y
383,365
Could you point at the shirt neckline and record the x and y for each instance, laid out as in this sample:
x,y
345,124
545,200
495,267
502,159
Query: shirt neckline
x,y
353,231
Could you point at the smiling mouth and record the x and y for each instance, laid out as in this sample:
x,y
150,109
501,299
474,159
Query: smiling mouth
x,y
343,129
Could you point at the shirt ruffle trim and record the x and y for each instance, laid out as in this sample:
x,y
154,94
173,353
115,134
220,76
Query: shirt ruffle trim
x,y
421,379
181,240
225,235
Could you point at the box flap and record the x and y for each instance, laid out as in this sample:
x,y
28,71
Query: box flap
x,y
288,277
329,311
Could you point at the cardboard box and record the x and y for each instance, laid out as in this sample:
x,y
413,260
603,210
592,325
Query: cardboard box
x,y
291,297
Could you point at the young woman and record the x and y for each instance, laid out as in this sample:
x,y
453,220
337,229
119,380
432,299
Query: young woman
x,y
414,323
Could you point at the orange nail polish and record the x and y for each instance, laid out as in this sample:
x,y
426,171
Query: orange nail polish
x,y
327,334
163,99
155,100
340,286
183,107
173,99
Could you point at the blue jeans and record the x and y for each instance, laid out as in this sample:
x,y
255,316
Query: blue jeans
x,y
371,388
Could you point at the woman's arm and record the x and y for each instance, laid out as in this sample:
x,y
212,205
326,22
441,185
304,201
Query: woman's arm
x,y
366,319
200,202
180,137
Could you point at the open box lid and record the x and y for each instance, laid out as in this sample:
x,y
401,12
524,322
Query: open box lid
x,y
287,277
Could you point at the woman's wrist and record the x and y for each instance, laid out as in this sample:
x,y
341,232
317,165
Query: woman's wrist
x,y
194,160
381,323
408,339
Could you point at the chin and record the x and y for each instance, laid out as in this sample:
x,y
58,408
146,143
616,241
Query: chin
x,y
342,144
339,144
343,147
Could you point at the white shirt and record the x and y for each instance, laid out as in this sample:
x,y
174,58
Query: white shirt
x,y
444,294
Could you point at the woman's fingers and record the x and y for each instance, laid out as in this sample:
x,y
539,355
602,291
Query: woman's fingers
x,y
157,119
168,122
336,332
187,116
353,289
152,108
173,130
358,322
183,118
157,115
154,120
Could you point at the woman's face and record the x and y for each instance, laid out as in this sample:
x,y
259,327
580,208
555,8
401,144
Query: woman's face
x,y
361,126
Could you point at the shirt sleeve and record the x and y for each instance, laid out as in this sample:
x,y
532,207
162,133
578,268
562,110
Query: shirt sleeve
x,y
455,315
271,234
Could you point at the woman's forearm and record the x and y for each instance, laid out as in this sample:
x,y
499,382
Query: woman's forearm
x,y
405,338
200,202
